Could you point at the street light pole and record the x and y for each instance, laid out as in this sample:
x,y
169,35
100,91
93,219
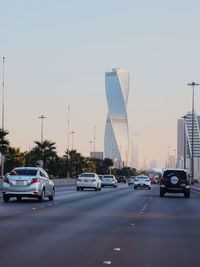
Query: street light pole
x,y
72,133
2,127
193,84
42,118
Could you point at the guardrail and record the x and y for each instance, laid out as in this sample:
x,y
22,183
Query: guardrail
x,y
57,182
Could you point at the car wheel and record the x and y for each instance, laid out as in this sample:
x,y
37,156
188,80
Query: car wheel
x,y
135,187
162,193
187,194
6,198
82,189
77,189
51,198
99,188
42,196
149,187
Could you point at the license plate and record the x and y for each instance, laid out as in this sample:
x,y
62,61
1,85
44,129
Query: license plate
x,y
86,181
19,182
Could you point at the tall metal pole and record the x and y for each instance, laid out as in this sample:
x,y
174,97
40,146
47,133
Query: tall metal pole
x,y
72,133
42,127
193,84
3,88
94,137
68,140
2,126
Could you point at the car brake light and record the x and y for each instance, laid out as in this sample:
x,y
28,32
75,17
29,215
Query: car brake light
x,y
35,180
6,180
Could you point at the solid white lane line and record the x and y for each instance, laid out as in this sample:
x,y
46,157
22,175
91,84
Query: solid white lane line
x,y
33,208
132,224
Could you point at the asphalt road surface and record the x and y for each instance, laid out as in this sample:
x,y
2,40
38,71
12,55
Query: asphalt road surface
x,y
120,227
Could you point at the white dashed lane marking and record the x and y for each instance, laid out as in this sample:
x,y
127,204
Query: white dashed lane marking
x,y
107,262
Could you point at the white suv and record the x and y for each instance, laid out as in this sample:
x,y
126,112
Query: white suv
x,y
142,181
88,180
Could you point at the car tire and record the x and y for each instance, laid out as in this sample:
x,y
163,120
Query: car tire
x,y
162,193
42,196
77,189
19,198
6,198
149,187
99,188
187,194
135,187
52,196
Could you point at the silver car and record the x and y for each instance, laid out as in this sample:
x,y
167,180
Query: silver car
x,y
109,180
89,181
31,182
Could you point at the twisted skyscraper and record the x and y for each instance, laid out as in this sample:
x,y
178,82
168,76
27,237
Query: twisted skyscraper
x,y
116,141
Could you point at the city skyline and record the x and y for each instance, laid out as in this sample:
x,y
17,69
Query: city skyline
x,y
56,54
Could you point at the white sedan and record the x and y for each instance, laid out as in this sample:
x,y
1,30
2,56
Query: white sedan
x,y
89,181
142,181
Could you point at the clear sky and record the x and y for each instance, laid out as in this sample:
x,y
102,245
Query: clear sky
x,y
57,53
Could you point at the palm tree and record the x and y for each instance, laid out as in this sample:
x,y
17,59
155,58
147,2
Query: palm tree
x,y
45,151
74,162
4,143
14,158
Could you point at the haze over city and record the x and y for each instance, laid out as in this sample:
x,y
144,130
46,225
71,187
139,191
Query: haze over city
x,y
56,55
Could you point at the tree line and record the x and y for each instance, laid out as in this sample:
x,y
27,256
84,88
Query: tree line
x,y
44,154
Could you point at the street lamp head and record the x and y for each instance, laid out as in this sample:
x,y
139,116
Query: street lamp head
x,y
193,84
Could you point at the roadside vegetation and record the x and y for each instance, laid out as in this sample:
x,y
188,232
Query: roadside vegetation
x,y
44,154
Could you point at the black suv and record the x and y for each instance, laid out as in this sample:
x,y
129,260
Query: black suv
x,y
121,179
175,181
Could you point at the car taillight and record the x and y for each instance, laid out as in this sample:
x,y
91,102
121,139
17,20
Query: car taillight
x,y
6,180
35,180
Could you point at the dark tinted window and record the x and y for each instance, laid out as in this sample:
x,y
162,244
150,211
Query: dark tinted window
x,y
178,173
24,172
87,175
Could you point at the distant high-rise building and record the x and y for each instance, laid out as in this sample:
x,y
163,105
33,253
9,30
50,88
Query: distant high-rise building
x,y
184,142
96,155
116,141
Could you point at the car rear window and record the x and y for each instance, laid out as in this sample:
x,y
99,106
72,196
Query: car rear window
x,y
108,176
87,175
24,172
179,173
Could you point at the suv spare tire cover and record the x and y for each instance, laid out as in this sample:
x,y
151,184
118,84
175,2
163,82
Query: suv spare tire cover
x,y
174,179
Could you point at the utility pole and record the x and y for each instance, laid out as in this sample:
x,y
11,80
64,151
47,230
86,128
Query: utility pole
x,y
68,140
94,137
42,117
2,126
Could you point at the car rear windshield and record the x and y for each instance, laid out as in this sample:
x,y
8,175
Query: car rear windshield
x,y
179,173
88,175
24,172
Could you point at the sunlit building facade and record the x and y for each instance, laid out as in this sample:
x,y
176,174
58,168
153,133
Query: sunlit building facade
x,y
184,143
116,140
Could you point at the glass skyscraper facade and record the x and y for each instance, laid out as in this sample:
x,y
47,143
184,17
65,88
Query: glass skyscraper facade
x,y
116,140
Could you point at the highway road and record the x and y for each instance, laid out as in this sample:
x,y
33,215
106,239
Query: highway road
x,y
119,227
